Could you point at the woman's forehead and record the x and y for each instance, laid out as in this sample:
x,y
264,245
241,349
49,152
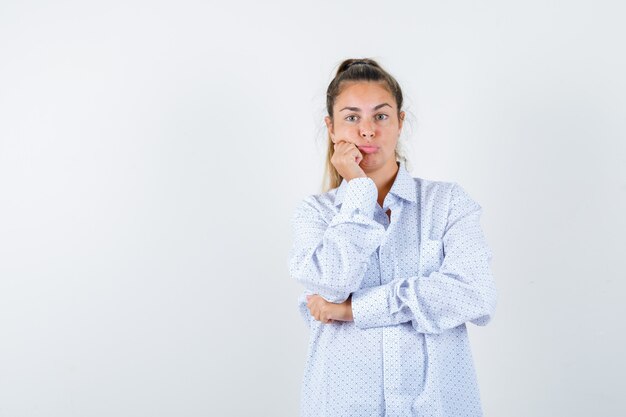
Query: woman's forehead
x,y
365,93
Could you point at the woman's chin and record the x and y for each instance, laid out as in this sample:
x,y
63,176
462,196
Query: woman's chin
x,y
370,160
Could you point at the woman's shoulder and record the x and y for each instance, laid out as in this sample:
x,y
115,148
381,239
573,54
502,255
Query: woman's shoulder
x,y
433,184
448,194
442,194
428,188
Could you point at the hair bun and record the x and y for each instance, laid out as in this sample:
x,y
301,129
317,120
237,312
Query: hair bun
x,y
357,62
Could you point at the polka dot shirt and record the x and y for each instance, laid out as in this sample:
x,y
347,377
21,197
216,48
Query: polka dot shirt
x,y
416,278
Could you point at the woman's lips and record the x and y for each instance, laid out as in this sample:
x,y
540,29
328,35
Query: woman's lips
x,y
368,149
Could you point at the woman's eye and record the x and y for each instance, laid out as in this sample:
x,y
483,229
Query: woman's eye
x,y
350,118
382,116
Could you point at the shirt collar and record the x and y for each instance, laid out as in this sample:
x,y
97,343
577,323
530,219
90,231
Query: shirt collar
x,y
403,186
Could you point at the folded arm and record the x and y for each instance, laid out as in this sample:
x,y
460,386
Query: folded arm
x,y
461,290
330,258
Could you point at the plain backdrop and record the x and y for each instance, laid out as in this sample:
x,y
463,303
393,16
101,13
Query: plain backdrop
x,y
152,153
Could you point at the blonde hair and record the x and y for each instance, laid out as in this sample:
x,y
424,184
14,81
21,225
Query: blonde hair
x,y
364,69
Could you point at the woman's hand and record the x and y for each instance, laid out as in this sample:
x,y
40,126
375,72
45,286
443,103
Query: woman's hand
x,y
327,312
346,160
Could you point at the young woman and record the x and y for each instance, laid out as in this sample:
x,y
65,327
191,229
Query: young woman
x,y
393,266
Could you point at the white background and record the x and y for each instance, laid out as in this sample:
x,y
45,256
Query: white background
x,y
151,154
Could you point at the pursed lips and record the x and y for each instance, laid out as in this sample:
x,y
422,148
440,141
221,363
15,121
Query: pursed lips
x,y
368,149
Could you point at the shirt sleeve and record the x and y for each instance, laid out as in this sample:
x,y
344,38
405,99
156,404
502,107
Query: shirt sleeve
x,y
330,258
461,290
305,314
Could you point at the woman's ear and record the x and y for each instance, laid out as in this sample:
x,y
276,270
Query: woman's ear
x,y
329,126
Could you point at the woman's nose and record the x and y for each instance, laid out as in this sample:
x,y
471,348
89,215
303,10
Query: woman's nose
x,y
367,132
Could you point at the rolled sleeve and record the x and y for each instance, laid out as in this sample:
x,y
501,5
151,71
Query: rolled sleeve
x,y
370,307
360,198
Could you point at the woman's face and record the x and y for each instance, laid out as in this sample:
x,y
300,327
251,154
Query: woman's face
x,y
365,113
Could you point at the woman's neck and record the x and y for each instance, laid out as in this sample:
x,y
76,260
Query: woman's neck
x,y
384,179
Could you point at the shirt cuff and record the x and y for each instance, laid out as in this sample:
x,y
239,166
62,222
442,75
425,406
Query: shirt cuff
x,y
361,194
370,307
303,309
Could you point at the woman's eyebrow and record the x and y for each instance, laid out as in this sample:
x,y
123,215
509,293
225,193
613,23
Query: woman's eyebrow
x,y
357,109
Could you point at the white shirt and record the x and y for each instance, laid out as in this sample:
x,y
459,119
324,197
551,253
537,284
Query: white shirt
x,y
415,280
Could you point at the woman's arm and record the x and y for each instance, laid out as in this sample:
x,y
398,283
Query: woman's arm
x,y
330,259
461,290
327,312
